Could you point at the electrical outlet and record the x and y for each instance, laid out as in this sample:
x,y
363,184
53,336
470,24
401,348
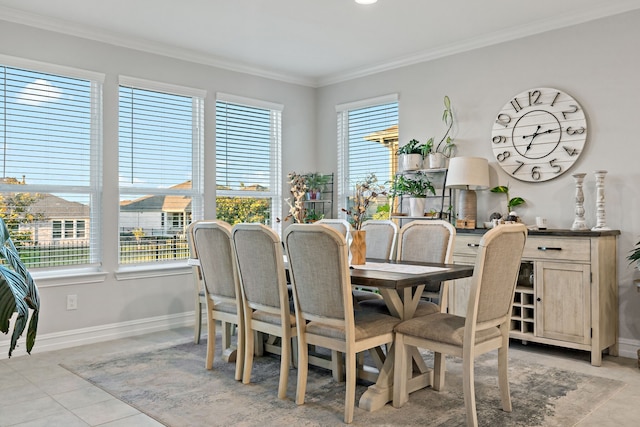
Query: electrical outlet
x,y
72,302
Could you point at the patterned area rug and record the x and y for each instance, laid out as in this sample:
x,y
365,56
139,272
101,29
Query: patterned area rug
x,y
172,386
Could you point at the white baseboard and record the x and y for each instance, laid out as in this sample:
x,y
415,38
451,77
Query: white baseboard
x,y
77,337
628,348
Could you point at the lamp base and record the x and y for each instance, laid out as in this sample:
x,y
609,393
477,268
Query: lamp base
x,y
467,208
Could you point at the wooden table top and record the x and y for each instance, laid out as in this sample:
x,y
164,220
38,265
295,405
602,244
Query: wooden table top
x,y
402,280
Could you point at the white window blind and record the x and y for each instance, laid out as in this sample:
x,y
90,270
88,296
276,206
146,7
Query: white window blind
x,y
160,168
367,143
248,165
50,161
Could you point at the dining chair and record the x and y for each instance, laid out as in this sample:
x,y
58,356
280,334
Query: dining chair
x,y
424,241
265,298
319,267
200,297
341,225
485,327
211,240
381,236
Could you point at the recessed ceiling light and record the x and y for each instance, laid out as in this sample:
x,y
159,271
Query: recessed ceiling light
x,y
366,1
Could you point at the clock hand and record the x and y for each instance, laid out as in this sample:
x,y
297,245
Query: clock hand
x,y
533,136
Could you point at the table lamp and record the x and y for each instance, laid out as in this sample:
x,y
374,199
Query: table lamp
x,y
467,174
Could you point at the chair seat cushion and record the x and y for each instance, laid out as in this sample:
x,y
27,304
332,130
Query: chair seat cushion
x,y
379,306
443,327
271,318
226,307
362,295
367,324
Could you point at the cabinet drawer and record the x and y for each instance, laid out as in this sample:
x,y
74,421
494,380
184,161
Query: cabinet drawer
x,y
467,244
550,248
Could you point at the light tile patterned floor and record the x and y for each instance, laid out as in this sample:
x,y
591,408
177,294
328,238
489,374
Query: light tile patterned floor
x,y
35,391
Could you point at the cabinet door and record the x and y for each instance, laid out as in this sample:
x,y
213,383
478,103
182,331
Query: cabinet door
x,y
563,301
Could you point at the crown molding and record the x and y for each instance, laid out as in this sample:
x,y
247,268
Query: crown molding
x,y
86,32
508,34
497,37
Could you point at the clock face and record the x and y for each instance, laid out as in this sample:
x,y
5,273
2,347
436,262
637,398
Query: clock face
x,y
539,134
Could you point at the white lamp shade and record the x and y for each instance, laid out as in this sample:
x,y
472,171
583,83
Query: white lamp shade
x,y
468,173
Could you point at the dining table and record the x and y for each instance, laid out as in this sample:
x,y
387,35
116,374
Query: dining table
x,y
401,284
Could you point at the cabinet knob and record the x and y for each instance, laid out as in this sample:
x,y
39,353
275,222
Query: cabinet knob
x,y
538,299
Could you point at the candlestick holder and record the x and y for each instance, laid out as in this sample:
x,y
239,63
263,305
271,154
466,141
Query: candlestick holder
x,y
579,223
600,211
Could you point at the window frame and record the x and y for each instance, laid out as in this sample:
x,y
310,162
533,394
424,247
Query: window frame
x,y
197,182
275,158
93,189
346,189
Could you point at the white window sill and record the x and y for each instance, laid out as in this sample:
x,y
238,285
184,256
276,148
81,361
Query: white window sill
x,y
149,271
80,276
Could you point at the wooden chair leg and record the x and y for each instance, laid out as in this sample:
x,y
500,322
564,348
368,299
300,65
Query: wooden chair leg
x,y
337,366
197,328
468,387
239,354
438,371
285,362
294,352
249,342
303,367
350,397
211,341
503,377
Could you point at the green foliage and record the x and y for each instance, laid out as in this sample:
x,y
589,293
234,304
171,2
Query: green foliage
x,y
447,118
412,147
313,216
18,293
511,202
243,209
317,181
417,185
634,254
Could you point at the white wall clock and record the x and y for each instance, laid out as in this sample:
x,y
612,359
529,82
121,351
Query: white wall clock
x,y
539,134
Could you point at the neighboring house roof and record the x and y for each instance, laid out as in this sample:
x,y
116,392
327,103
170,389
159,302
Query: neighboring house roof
x,y
160,203
54,207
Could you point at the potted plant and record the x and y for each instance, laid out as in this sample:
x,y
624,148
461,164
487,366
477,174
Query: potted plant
x,y
634,255
366,194
511,202
437,155
316,183
410,155
417,188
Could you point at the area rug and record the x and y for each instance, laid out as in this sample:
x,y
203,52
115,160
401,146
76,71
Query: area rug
x,y
172,386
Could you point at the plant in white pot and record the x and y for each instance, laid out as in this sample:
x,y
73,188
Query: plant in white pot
x,y
438,154
410,155
417,188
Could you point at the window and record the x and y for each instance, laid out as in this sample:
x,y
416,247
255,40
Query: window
x,y
367,143
248,166
160,168
51,146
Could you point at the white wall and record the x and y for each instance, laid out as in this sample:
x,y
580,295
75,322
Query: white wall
x,y
115,303
597,63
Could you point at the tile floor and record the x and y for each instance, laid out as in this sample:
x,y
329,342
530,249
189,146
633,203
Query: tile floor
x,y
36,391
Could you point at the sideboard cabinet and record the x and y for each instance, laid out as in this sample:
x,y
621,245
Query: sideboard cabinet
x,y
567,291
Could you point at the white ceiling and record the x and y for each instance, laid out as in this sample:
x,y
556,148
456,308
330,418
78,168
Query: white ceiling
x,y
310,42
